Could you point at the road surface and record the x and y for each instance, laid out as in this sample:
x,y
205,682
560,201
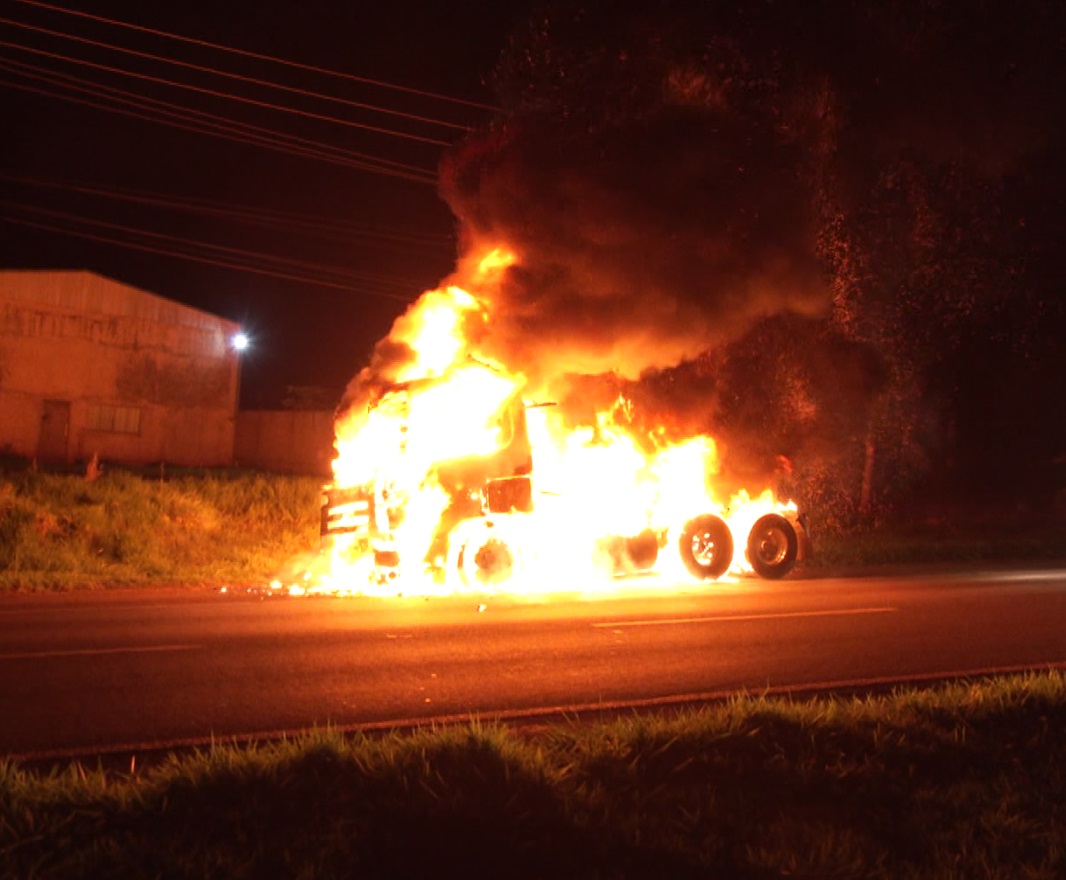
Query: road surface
x,y
134,670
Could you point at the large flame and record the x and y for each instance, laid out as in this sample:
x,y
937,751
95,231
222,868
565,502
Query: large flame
x,y
433,437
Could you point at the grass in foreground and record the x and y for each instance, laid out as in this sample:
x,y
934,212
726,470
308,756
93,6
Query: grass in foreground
x,y
961,781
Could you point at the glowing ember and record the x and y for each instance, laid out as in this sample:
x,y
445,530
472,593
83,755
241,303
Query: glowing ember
x,y
454,473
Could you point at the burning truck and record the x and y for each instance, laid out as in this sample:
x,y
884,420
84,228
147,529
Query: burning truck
x,y
456,481
456,472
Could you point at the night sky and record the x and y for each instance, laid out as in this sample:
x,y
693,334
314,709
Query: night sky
x,y
827,232
377,239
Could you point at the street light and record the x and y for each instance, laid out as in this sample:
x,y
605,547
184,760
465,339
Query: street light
x,y
239,342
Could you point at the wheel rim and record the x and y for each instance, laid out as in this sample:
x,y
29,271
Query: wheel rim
x,y
772,546
704,548
492,563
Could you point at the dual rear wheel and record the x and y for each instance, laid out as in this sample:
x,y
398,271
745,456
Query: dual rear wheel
x,y
706,546
487,559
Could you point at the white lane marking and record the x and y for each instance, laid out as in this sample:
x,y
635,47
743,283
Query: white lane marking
x,y
98,652
730,618
1051,575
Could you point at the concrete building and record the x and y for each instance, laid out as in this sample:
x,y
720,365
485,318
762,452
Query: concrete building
x,y
91,366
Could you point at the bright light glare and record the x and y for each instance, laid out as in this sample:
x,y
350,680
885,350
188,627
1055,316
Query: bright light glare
x,y
239,341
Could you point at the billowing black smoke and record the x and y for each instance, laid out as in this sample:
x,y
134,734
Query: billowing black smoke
x,y
660,205
641,244
757,218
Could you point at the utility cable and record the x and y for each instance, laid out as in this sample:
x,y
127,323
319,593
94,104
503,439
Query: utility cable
x,y
253,215
261,57
337,272
321,154
236,76
211,120
227,96
285,276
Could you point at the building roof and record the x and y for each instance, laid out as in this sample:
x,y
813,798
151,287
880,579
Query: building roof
x,y
87,292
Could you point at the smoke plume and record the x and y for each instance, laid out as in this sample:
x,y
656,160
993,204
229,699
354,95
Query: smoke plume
x,y
639,246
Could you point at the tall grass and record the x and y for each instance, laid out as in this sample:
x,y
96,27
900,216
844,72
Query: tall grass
x,y
963,781
118,529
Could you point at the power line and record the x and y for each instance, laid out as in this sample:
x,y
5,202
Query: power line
x,y
224,130
244,213
262,57
236,76
200,128
285,276
338,272
205,260
217,94
212,120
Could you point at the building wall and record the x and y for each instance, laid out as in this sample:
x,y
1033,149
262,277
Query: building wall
x,y
136,378
285,441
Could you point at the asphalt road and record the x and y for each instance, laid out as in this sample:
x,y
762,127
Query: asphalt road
x,y
133,670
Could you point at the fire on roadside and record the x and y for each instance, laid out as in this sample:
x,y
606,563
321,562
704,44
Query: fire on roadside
x,y
457,473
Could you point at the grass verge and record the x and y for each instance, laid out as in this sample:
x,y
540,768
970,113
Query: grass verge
x,y
960,781
62,531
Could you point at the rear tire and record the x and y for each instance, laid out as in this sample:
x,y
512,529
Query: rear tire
x,y
706,546
486,561
772,546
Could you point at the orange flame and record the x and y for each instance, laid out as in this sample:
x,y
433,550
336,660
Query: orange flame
x,y
452,478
